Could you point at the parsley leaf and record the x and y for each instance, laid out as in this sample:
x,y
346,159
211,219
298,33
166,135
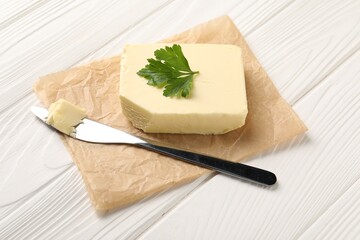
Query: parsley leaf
x,y
169,69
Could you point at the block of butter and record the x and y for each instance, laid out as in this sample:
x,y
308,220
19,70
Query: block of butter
x,y
64,116
217,103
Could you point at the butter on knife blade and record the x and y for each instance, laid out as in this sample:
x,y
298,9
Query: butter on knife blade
x,y
95,132
64,116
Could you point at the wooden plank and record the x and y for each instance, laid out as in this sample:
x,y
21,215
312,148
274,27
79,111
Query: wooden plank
x,y
182,15
305,43
57,35
314,173
341,220
11,11
62,210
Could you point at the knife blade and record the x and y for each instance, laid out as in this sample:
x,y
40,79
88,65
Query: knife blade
x,y
92,131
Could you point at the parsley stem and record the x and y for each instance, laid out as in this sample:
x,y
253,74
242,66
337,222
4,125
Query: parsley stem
x,y
190,73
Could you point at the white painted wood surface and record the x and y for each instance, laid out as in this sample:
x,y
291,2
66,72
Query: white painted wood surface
x,y
309,48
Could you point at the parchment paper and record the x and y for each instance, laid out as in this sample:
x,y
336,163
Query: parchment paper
x,y
118,175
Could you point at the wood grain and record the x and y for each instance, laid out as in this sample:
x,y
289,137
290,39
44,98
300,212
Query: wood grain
x,y
341,220
306,42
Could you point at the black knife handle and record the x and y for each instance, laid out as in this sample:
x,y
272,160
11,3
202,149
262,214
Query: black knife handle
x,y
237,170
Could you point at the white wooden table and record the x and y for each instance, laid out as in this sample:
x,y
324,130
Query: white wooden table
x,y
311,50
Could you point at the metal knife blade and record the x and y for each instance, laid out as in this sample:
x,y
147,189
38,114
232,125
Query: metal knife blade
x,y
91,131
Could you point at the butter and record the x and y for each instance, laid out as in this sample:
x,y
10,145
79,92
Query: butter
x,y
64,116
217,103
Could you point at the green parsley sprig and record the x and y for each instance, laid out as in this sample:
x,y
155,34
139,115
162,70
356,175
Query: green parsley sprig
x,y
169,69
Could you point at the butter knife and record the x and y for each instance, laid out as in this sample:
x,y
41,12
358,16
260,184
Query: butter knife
x,y
94,132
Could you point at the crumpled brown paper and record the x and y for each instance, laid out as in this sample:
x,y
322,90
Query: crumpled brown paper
x,y
117,175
